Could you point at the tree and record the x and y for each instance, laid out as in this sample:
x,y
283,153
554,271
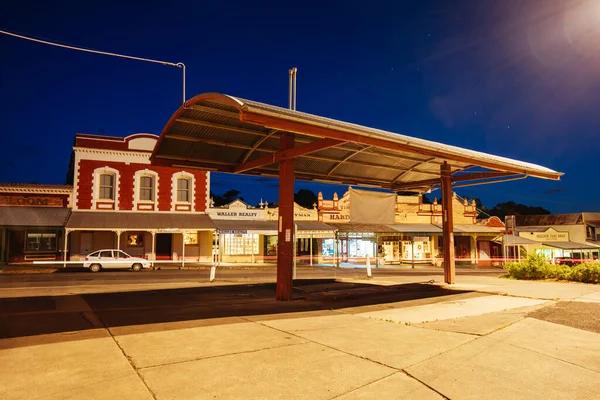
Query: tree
x,y
501,210
305,198
226,198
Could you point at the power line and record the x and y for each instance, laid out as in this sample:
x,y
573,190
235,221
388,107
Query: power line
x,y
106,53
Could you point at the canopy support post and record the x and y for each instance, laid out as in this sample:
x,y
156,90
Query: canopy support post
x,y
285,248
447,224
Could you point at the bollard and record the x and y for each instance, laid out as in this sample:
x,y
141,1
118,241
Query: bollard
x,y
369,266
213,270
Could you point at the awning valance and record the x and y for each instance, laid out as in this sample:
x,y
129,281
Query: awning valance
x,y
416,228
166,222
511,240
249,226
34,216
571,245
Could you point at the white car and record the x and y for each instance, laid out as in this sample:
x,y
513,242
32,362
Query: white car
x,y
112,258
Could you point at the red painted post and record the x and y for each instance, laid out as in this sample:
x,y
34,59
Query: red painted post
x,y
447,223
285,255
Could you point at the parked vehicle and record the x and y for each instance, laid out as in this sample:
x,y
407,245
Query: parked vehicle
x,y
114,259
569,261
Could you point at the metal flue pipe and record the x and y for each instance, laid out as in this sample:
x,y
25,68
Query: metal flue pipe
x,y
292,88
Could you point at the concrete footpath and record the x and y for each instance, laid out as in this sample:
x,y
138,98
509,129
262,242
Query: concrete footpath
x,y
383,338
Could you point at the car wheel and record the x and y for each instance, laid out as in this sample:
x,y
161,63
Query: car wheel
x,y
136,267
95,267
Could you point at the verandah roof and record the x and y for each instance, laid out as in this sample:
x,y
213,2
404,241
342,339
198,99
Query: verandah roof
x,y
224,133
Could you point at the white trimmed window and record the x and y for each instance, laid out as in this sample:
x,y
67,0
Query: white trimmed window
x,y
182,186
105,186
145,190
183,190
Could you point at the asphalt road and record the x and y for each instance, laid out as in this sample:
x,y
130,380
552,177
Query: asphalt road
x,y
74,277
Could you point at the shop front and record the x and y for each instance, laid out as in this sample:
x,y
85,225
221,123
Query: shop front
x,y
31,234
155,236
32,221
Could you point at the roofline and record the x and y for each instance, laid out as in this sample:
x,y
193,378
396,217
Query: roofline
x,y
294,121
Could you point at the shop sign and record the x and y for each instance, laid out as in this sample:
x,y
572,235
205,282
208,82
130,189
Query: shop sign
x,y
548,236
338,217
31,201
234,232
421,239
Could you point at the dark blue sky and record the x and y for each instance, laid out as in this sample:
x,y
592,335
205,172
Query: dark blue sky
x,y
509,77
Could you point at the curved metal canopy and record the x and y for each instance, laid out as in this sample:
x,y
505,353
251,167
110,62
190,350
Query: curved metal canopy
x,y
223,133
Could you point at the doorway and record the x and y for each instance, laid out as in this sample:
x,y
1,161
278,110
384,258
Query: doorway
x,y
164,249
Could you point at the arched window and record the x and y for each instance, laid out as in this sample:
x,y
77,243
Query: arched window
x,y
107,187
183,190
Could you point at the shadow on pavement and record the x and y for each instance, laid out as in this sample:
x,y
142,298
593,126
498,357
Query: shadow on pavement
x,y
154,310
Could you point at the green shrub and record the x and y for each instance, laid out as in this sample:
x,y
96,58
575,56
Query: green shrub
x,y
535,267
586,273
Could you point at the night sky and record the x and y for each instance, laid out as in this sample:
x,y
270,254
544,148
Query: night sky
x,y
514,78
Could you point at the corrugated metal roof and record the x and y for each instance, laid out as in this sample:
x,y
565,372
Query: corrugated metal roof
x,y
570,245
362,228
514,240
34,216
220,132
465,228
549,219
138,220
416,228
313,226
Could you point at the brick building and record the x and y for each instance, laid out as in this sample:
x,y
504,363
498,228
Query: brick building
x,y
121,201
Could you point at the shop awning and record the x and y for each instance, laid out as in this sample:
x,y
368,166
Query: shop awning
x,y
416,228
511,240
571,245
163,222
34,216
316,229
466,228
270,227
237,226
362,228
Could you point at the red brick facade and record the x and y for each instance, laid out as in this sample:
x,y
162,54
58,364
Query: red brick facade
x,y
126,184
124,160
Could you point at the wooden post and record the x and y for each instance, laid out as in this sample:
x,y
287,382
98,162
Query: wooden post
x,y
183,249
64,248
447,224
311,249
153,247
2,247
285,253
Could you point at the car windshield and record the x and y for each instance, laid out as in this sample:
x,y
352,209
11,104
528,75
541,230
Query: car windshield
x,y
94,254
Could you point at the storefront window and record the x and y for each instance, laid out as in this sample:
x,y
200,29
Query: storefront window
x,y
45,241
328,247
240,244
190,238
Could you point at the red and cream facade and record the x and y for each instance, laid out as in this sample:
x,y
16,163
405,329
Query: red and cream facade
x,y
125,196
